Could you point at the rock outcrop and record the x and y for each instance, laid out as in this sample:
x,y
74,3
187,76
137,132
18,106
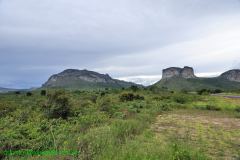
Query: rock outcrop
x,y
186,72
77,79
178,79
74,75
232,75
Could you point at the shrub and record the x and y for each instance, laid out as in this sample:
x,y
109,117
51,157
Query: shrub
x,y
208,91
164,107
180,99
212,108
29,94
237,109
5,109
106,105
182,91
17,92
103,94
93,98
127,97
58,105
43,92
130,97
138,97
216,91
134,88
204,92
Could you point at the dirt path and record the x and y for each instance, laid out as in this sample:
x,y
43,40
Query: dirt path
x,y
216,134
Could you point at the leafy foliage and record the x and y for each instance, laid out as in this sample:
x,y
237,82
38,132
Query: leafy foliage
x,y
130,97
112,124
58,105
43,93
29,94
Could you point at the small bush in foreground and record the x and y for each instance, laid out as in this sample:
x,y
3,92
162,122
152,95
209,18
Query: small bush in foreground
x,y
58,105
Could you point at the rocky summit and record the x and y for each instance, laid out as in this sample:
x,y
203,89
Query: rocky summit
x,y
84,79
232,75
175,78
186,72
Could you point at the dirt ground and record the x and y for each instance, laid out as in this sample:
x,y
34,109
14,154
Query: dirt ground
x,y
215,133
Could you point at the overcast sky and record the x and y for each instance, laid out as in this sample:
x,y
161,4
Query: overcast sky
x,y
129,39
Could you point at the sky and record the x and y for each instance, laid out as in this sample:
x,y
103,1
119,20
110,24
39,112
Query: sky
x,y
132,40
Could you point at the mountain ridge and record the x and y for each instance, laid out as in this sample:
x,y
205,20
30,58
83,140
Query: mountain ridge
x,y
84,79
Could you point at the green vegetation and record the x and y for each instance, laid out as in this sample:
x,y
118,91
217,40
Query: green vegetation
x,y
195,84
121,124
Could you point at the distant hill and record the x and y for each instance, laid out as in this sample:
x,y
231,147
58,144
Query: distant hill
x,y
175,78
4,90
84,79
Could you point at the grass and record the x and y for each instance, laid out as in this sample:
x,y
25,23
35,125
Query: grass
x,y
158,125
214,133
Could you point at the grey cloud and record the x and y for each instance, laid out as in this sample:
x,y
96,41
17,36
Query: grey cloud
x,y
41,37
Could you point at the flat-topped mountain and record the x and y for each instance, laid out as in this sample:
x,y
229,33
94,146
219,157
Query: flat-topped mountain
x,y
186,72
84,79
175,78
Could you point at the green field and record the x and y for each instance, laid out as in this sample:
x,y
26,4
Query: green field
x,y
118,124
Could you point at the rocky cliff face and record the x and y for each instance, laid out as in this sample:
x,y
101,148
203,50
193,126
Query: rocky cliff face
x,y
228,81
72,78
186,72
232,75
75,75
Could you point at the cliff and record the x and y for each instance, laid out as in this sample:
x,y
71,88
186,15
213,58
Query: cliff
x,y
186,72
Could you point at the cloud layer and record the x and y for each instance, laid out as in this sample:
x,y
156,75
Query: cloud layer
x,y
127,39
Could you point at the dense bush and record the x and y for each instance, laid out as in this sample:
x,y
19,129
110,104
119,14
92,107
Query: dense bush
x,y
58,105
134,88
208,91
216,91
29,94
130,97
105,105
6,108
203,92
182,99
17,92
103,94
213,108
237,109
93,98
43,93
